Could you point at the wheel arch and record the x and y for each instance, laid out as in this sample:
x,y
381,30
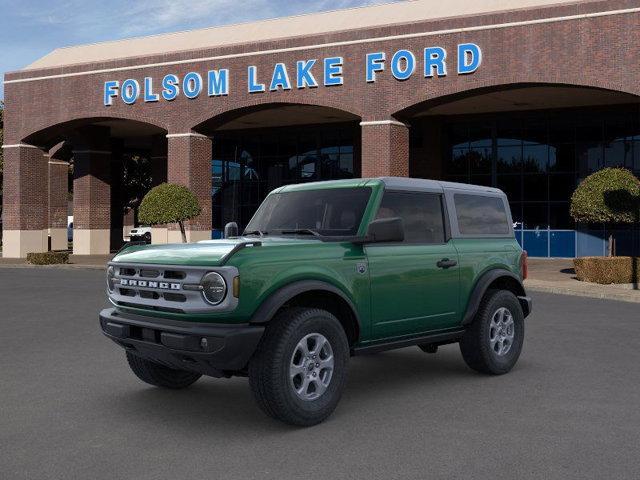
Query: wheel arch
x,y
499,279
312,294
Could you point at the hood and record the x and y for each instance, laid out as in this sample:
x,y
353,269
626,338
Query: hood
x,y
205,253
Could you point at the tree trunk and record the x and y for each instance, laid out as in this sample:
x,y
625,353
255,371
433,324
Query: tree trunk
x,y
610,246
184,235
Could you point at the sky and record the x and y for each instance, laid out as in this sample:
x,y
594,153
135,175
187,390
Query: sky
x,y
29,29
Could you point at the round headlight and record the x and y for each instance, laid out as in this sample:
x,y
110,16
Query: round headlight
x,y
214,288
111,273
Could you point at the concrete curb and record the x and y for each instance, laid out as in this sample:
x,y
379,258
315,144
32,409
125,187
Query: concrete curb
x,y
604,292
66,266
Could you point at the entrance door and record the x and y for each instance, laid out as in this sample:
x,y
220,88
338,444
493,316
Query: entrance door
x,y
412,290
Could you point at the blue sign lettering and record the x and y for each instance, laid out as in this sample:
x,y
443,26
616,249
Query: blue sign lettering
x,y
149,96
170,87
254,87
333,71
402,67
304,77
469,58
434,59
375,63
280,78
218,82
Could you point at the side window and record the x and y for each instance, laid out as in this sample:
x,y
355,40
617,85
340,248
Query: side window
x,y
421,214
481,215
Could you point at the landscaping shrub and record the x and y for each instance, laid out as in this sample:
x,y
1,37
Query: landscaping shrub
x,y
607,270
169,203
48,258
609,196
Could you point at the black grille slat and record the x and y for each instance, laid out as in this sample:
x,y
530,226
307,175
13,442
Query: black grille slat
x,y
174,297
149,294
174,275
146,273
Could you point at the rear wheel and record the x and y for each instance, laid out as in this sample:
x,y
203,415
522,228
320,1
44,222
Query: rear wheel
x,y
159,375
493,342
299,370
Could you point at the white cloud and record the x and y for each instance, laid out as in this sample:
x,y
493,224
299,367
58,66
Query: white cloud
x,y
122,18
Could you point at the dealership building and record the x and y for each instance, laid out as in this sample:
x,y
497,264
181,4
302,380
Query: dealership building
x,y
530,96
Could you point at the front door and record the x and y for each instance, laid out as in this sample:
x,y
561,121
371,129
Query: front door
x,y
415,283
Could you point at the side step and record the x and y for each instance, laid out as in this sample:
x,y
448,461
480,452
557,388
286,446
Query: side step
x,y
438,338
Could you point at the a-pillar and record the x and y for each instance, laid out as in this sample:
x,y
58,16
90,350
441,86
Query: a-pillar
x,y
385,148
159,233
58,192
92,192
25,211
189,164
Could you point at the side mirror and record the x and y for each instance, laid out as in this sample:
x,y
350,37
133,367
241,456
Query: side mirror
x,y
231,230
386,230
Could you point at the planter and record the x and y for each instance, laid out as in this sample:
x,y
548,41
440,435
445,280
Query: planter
x,y
607,270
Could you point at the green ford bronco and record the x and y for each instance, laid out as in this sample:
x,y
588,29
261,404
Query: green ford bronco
x,y
322,272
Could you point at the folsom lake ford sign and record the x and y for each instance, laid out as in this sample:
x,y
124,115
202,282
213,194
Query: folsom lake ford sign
x,y
309,73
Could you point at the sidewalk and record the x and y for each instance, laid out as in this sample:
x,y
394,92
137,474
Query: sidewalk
x,y
557,276
92,262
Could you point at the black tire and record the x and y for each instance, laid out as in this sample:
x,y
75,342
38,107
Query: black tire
x,y
476,345
269,374
159,375
147,237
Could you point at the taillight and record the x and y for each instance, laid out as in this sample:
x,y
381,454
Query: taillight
x,y
524,265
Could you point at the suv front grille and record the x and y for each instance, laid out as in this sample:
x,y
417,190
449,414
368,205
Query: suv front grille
x,y
161,288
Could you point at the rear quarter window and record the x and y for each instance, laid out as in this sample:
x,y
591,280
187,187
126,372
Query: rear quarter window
x,y
481,215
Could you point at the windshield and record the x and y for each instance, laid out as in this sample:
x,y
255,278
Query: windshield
x,y
327,212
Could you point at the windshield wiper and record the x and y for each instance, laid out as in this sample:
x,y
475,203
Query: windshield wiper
x,y
300,231
254,232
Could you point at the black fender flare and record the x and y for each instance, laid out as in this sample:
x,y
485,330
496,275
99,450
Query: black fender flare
x,y
277,299
481,287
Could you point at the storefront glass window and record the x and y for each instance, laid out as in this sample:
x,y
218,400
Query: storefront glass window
x,y
248,164
538,158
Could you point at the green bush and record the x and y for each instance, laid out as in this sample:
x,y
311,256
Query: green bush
x,y
169,203
48,258
611,195
607,270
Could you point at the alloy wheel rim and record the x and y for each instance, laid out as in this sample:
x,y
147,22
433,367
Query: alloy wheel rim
x,y
501,331
311,367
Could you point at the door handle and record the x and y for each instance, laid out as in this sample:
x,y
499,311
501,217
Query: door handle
x,y
446,263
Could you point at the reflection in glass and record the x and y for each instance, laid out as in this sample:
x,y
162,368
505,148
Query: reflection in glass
x,y
250,163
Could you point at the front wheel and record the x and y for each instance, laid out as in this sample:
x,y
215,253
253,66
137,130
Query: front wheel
x,y
493,342
299,370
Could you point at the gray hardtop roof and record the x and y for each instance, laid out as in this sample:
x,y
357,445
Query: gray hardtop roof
x,y
424,184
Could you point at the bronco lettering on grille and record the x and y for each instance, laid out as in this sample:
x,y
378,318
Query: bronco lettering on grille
x,y
147,284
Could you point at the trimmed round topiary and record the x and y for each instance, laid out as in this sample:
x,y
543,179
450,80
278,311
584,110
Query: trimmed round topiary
x,y
169,203
611,195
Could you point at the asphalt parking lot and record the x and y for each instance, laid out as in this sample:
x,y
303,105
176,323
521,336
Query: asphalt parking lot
x,y
70,408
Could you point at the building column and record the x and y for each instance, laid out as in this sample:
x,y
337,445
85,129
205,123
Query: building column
x,y
25,209
92,192
158,160
385,148
117,208
189,164
58,191
159,233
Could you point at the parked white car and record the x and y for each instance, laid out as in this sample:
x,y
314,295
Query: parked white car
x,y
141,233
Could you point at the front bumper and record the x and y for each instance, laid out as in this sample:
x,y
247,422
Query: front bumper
x,y
210,349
